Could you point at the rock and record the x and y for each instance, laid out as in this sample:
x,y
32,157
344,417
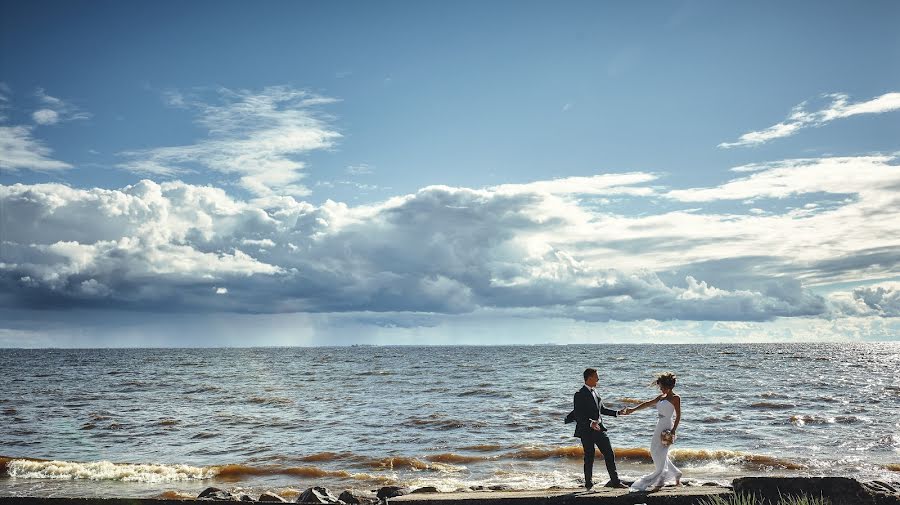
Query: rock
x,y
426,489
349,498
246,497
214,493
271,497
499,487
391,492
840,490
316,494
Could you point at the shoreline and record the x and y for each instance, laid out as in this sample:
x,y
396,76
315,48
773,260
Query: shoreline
x,y
840,490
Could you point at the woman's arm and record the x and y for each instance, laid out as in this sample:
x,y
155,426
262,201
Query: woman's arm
x,y
647,403
676,402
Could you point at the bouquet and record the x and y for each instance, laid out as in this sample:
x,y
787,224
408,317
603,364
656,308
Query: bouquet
x,y
667,437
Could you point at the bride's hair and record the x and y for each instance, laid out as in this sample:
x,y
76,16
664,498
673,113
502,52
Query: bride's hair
x,y
666,380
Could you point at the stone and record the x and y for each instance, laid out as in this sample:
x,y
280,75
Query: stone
x,y
246,497
349,498
839,490
316,494
391,492
271,497
214,493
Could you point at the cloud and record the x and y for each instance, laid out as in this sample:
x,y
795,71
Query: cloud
x,y
45,116
539,249
525,250
883,298
253,137
360,169
781,179
5,93
55,110
19,150
800,118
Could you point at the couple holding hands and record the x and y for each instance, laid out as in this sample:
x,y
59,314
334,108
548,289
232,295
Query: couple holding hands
x,y
588,408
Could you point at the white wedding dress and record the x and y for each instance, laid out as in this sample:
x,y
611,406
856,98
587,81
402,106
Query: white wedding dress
x,y
665,470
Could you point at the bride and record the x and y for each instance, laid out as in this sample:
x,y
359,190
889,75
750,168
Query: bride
x,y
667,404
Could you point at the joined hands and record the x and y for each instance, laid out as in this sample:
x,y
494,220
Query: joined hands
x,y
625,411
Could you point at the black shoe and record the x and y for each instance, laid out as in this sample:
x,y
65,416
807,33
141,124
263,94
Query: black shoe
x,y
615,484
588,486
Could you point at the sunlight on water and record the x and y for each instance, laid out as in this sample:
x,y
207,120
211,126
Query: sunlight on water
x,y
151,422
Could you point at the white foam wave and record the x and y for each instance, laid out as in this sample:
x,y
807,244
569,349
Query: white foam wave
x,y
105,470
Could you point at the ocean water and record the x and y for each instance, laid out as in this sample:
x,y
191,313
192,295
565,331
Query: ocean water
x,y
170,422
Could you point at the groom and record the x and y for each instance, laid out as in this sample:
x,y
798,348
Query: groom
x,y
589,428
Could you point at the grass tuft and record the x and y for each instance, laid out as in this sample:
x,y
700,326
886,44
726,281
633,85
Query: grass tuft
x,y
747,499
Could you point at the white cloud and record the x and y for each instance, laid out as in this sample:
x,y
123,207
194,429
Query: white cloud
x,y
254,137
360,169
882,298
19,150
45,116
5,93
530,250
55,110
837,175
800,118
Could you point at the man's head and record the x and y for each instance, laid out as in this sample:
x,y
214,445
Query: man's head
x,y
590,377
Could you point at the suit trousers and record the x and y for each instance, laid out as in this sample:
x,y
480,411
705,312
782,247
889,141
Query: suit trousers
x,y
599,439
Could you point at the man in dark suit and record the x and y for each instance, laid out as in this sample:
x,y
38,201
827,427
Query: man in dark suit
x,y
589,428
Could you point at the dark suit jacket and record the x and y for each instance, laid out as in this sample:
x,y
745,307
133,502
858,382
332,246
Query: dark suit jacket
x,y
585,409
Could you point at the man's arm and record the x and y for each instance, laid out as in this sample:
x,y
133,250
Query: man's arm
x,y
607,412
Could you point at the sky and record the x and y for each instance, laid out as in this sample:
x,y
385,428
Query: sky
x,y
222,173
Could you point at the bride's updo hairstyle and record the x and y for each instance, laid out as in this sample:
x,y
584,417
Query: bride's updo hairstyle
x,y
666,380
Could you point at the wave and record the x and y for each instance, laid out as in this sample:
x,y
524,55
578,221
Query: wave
x,y
441,463
493,393
411,463
270,400
749,460
325,456
238,472
156,473
484,447
756,461
437,422
772,405
803,420
104,470
175,495
450,457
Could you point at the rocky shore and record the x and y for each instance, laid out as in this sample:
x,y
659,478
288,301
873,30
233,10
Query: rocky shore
x,y
839,490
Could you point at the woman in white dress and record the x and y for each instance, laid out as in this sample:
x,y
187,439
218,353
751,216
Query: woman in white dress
x,y
668,405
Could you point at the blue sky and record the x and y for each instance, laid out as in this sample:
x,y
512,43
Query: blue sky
x,y
304,173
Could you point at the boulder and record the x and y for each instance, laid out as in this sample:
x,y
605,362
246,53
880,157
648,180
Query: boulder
x,y
840,490
214,493
316,494
271,497
425,489
246,497
349,498
391,492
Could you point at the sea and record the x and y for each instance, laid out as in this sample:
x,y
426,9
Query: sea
x,y
168,423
